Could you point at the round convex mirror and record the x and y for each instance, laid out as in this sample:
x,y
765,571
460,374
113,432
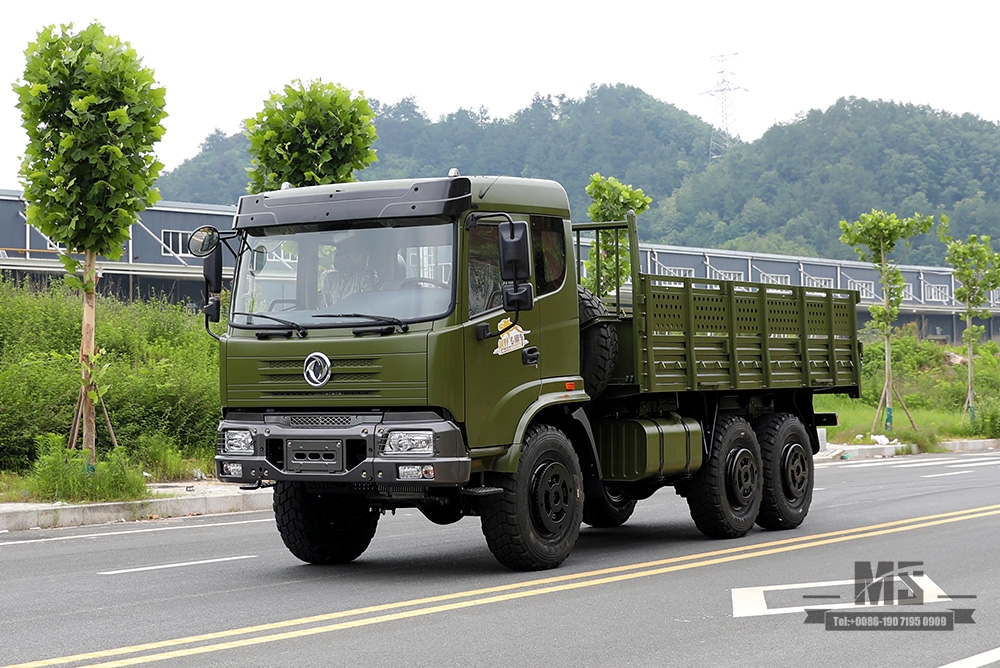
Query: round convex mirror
x,y
203,241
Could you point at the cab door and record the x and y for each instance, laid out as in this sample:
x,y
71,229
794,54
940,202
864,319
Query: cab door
x,y
500,383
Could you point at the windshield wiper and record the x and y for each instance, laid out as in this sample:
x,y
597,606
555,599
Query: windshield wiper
x,y
303,332
384,319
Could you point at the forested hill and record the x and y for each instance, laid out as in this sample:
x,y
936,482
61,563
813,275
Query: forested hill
x,y
615,130
784,193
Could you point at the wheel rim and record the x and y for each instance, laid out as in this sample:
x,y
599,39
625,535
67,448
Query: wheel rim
x,y
795,471
741,477
552,491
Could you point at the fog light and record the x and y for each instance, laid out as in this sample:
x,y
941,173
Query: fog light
x,y
427,471
234,469
409,472
238,442
409,443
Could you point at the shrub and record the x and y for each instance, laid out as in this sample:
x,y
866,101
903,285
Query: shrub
x,y
986,418
163,374
38,392
63,474
161,457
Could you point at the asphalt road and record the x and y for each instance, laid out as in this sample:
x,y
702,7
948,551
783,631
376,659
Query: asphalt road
x,y
223,591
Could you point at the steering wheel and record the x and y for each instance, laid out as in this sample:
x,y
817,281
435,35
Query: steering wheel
x,y
421,279
275,302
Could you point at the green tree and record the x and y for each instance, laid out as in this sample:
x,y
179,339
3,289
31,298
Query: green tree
x,y
874,237
92,113
310,134
977,267
611,200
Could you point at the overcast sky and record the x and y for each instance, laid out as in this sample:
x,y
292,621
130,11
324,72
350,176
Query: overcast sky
x,y
219,60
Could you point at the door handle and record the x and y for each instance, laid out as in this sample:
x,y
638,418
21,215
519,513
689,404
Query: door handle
x,y
529,356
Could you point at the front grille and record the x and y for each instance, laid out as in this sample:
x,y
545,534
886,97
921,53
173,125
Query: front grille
x,y
320,421
285,364
400,489
360,361
285,378
337,362
334,377
335,393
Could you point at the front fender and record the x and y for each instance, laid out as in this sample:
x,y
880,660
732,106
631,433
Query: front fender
x,y
507,462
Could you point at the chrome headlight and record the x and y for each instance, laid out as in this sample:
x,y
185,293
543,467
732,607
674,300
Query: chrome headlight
x,y
409,443
238,442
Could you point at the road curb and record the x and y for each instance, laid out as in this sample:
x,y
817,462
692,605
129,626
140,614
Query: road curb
x,y
971,445
22,516
833,452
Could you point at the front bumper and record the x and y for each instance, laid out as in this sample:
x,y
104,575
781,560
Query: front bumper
x,y
344,449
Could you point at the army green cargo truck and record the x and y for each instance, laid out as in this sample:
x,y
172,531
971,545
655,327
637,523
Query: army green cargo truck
x,y
426,343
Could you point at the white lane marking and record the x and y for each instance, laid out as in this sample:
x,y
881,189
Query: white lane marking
x,y
938,475
128,531
750,601
178,565
954,462
819,489
984,659
993,463
902,463
864,465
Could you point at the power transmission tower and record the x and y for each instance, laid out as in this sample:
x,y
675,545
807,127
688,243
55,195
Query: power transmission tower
x,y
723,136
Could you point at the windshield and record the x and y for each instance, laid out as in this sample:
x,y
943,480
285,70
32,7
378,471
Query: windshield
x,y
400,269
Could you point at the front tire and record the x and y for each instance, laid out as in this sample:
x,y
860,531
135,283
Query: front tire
x,y
533,525
323,528
725,495
788,471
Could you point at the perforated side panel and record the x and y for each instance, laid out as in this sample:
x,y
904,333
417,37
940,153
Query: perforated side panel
x,y
697,334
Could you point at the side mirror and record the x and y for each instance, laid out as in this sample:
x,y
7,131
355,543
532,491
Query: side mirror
x,y
212,265
203,241
515,251
518,297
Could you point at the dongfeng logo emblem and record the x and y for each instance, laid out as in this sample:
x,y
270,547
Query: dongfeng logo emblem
x,y
316,369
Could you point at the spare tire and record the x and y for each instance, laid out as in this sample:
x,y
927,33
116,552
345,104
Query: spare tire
x,y
598,343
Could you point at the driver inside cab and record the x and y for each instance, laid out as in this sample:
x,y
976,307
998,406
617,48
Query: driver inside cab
x,y
352,273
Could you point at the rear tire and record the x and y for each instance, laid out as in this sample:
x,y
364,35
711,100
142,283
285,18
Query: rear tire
x,y
323,528
724,496
533,525
788,471
611,509
598,343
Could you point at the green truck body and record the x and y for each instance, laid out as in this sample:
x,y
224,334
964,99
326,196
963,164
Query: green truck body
x,y
425,343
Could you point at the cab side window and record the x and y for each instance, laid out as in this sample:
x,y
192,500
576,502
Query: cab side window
x,y
549,249
484,269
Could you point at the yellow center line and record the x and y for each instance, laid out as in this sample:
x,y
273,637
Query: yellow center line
x,y
537,587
